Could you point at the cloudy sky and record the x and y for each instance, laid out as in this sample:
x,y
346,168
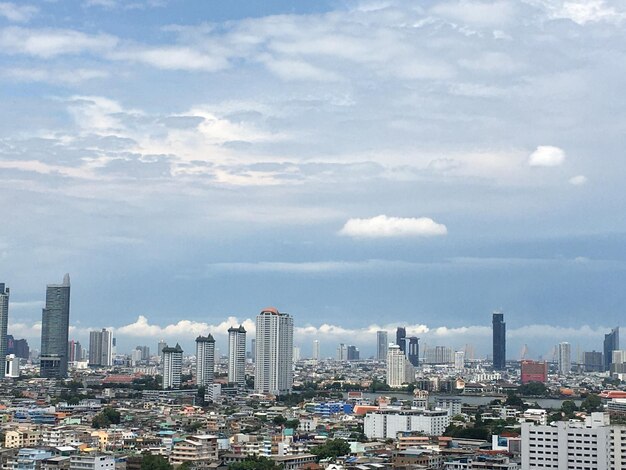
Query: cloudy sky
x,y
358,164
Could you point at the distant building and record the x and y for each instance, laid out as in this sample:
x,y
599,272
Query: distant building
x,y
253,350
196,451
75,351
439,355
21,348
534,371
382,343
396,366
162,344
565,358
400,338
205,360
413,350
274,350
611,343
593,361
101,348
4,318
342,352
353,353
12,366
386,424
459,360
237,355
92,462
499,341
171,366
55,324
316,350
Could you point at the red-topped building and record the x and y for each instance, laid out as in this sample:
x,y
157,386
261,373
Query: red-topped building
x,y
534,371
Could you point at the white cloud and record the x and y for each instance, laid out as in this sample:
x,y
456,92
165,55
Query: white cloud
x,y
172,58
382,227
547,155
581,11
17,13
476,13
578,180
184,329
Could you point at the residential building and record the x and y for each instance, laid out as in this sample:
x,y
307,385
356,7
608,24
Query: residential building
x,y
31,459
401,338
55,318
611,343
396,366
413,350
353,353
316,350
75,351
342,352
205,361
534,371
171,365
198,451
382,343
565,358
92,462
499,340
12,366
593,361
237,355
274,349
386,424
459,360
101,348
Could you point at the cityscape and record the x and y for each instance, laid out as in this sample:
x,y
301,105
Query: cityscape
x,y
317,235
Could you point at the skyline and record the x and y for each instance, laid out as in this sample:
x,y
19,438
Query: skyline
x,y
356,163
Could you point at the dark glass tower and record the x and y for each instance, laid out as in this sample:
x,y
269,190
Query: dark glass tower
x,y
499,341
611,343
4,319
413,350
401,338
55,323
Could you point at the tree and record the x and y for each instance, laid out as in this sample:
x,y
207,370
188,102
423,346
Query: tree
x,y
533,389
331,449
292,423
279,420
106,418
569,407
591,403
154,462
255,463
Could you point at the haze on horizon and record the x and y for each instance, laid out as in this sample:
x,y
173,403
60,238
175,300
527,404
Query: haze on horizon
x,y
358,164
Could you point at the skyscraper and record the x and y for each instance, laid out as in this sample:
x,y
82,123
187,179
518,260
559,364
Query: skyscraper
x,y
565,358
4,319
382,343
611,343
274,348
413,350
316,350
253,350
55,323
162,344
400,338
342,352
396,366
237,355
75,351
459,360
172,365
101,348
205,360
353,353
499,341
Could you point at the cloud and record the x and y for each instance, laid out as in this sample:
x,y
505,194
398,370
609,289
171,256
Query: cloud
x,y
547,155
383,227
581,11
578,180
17,13
476,13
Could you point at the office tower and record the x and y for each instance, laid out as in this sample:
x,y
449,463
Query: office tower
x,y
342,353
353,353
413,350
253,350
400,338
396,366
274,348
499,341
4,319
382,343
171,366
611,343
145,352
55,324
12,366
21,348
162,344
101,348
459,360
237,355
135,356
316,350
534,371
593,361
565,358
205,360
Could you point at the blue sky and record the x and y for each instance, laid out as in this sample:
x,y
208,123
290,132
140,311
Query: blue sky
x,y
358,164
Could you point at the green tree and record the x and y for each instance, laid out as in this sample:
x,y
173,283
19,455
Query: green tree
x,y
591,403
105,418
533,389
279,420
332,449
255,463
154,462
292,423
569,407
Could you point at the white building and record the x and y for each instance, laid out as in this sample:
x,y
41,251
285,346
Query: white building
x,y
565,358
296,354
12,366
237,355
316,350
450,404
274,352
101,348
171,366
396,366
196,450
386,424
342,352
205,360
459,360
590,445
92,462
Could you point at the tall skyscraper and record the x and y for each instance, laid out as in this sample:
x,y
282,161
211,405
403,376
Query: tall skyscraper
x,y
316,350
205,360
75,351
237,355
565,358
611,343
101,348
162,344
4,319
382,343
499,341
274,349
342,352
353,353
593,361
400,338
55,324
413,350
396,366
171,366
253,350
459,360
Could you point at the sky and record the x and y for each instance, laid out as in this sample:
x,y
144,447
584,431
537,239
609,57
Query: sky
x,y
357,164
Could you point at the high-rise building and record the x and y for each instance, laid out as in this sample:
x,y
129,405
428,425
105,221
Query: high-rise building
x,y
382,343
274,348
21,348
396,366
205,361
400,338
237,355
499,341
75,351
101,348
439,355
316,350
162,344
171,366
565,358
593,361
4,319
459,360
342,352
55,325
534,371
253,350
353,353
611,343
145,352
413,350
296,354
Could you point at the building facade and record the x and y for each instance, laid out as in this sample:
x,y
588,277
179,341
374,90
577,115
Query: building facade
x,y
171,366
565,358
611,343
413,350
101,348
396,366
386,424
205,361
237,355
382,343
401,337
534,371
55,323
4,319
499,341
274,349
